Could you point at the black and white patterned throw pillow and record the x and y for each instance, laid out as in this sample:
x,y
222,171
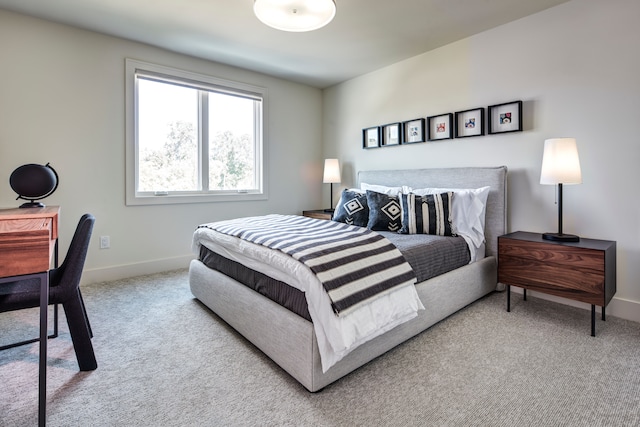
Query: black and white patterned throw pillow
x,y
429,214
384,212
352,209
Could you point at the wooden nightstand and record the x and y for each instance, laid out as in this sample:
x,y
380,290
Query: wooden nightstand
x,y
583,271
318,214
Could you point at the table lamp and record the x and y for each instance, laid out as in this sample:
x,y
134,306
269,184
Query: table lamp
x,y
560,165
331,176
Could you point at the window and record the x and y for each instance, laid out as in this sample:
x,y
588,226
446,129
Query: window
x,y
192,138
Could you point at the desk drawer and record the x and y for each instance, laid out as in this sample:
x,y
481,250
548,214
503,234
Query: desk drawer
x,y
25,246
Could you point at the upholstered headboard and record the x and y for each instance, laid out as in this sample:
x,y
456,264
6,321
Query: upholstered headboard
x,y
472,177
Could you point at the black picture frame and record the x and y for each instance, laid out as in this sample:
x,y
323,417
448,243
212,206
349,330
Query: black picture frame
x,y
469,123
391,134
440,127
371,137
504,118
413,131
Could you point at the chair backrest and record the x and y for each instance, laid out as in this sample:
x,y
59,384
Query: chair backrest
x,y
68,275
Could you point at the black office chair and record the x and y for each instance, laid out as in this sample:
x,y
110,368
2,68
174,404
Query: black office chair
x,y
64,288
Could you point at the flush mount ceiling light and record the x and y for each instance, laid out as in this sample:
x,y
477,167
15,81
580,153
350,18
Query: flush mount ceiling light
x,y
295,15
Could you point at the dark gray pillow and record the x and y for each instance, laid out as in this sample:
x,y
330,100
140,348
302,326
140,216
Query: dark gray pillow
x,y
429,214
352,209
384,212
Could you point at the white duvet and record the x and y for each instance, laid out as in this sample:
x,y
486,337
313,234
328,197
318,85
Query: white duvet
x,y
336,336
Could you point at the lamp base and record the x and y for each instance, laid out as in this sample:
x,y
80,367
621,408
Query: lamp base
x,y
561,237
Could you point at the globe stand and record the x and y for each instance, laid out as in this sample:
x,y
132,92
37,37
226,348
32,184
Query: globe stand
x,y
32,204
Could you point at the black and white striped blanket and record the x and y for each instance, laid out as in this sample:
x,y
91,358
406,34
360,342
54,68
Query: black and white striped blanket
x,y
353,264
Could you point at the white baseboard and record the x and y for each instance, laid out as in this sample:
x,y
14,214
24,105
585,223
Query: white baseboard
x,y
117,272
618,307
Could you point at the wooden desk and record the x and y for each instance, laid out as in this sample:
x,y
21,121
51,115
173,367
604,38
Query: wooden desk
x,y
28,239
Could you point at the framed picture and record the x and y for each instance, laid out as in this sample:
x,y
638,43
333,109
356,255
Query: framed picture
x,y
470,122
371,137
440,127
391,134
505,117
413,131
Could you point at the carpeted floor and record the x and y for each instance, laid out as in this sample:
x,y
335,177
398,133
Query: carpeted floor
x,y
165,360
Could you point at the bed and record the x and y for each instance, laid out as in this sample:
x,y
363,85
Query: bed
x,y
290,340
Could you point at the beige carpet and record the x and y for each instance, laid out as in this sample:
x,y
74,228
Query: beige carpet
x,y
165,360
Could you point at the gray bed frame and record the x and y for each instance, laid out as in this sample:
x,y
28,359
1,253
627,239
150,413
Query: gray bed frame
x,y
289,340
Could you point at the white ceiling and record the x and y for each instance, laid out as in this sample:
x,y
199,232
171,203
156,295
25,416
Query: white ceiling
x,y
364,36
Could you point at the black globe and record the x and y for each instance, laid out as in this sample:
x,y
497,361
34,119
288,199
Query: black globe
x,y
33,182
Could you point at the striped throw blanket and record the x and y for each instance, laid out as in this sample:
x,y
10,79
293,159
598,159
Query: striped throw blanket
x,y
353,264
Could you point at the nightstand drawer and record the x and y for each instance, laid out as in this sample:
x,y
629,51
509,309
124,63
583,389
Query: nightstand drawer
x,y
562,256
560,279
318,214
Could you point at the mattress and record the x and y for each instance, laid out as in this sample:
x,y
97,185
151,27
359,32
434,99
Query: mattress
x,y
428,255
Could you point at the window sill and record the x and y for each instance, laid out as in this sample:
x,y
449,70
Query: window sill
x,y
193,198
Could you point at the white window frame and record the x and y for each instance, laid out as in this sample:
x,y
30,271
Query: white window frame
x,y
134,197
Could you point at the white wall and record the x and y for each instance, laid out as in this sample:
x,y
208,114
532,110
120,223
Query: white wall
x,y
62,101
576,67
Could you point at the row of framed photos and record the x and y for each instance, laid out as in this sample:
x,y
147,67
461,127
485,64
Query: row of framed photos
x,y
502,118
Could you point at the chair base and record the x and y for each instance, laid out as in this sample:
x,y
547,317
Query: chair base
x,y
18,344
25,342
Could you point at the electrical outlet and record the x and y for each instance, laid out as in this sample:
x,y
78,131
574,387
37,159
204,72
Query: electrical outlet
x,y
105,242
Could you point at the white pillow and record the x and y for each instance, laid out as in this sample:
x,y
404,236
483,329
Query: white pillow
x,y
389,191
355,190
469,210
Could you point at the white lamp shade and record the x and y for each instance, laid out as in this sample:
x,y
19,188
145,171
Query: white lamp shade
x,y
560,162
331,171
295,15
